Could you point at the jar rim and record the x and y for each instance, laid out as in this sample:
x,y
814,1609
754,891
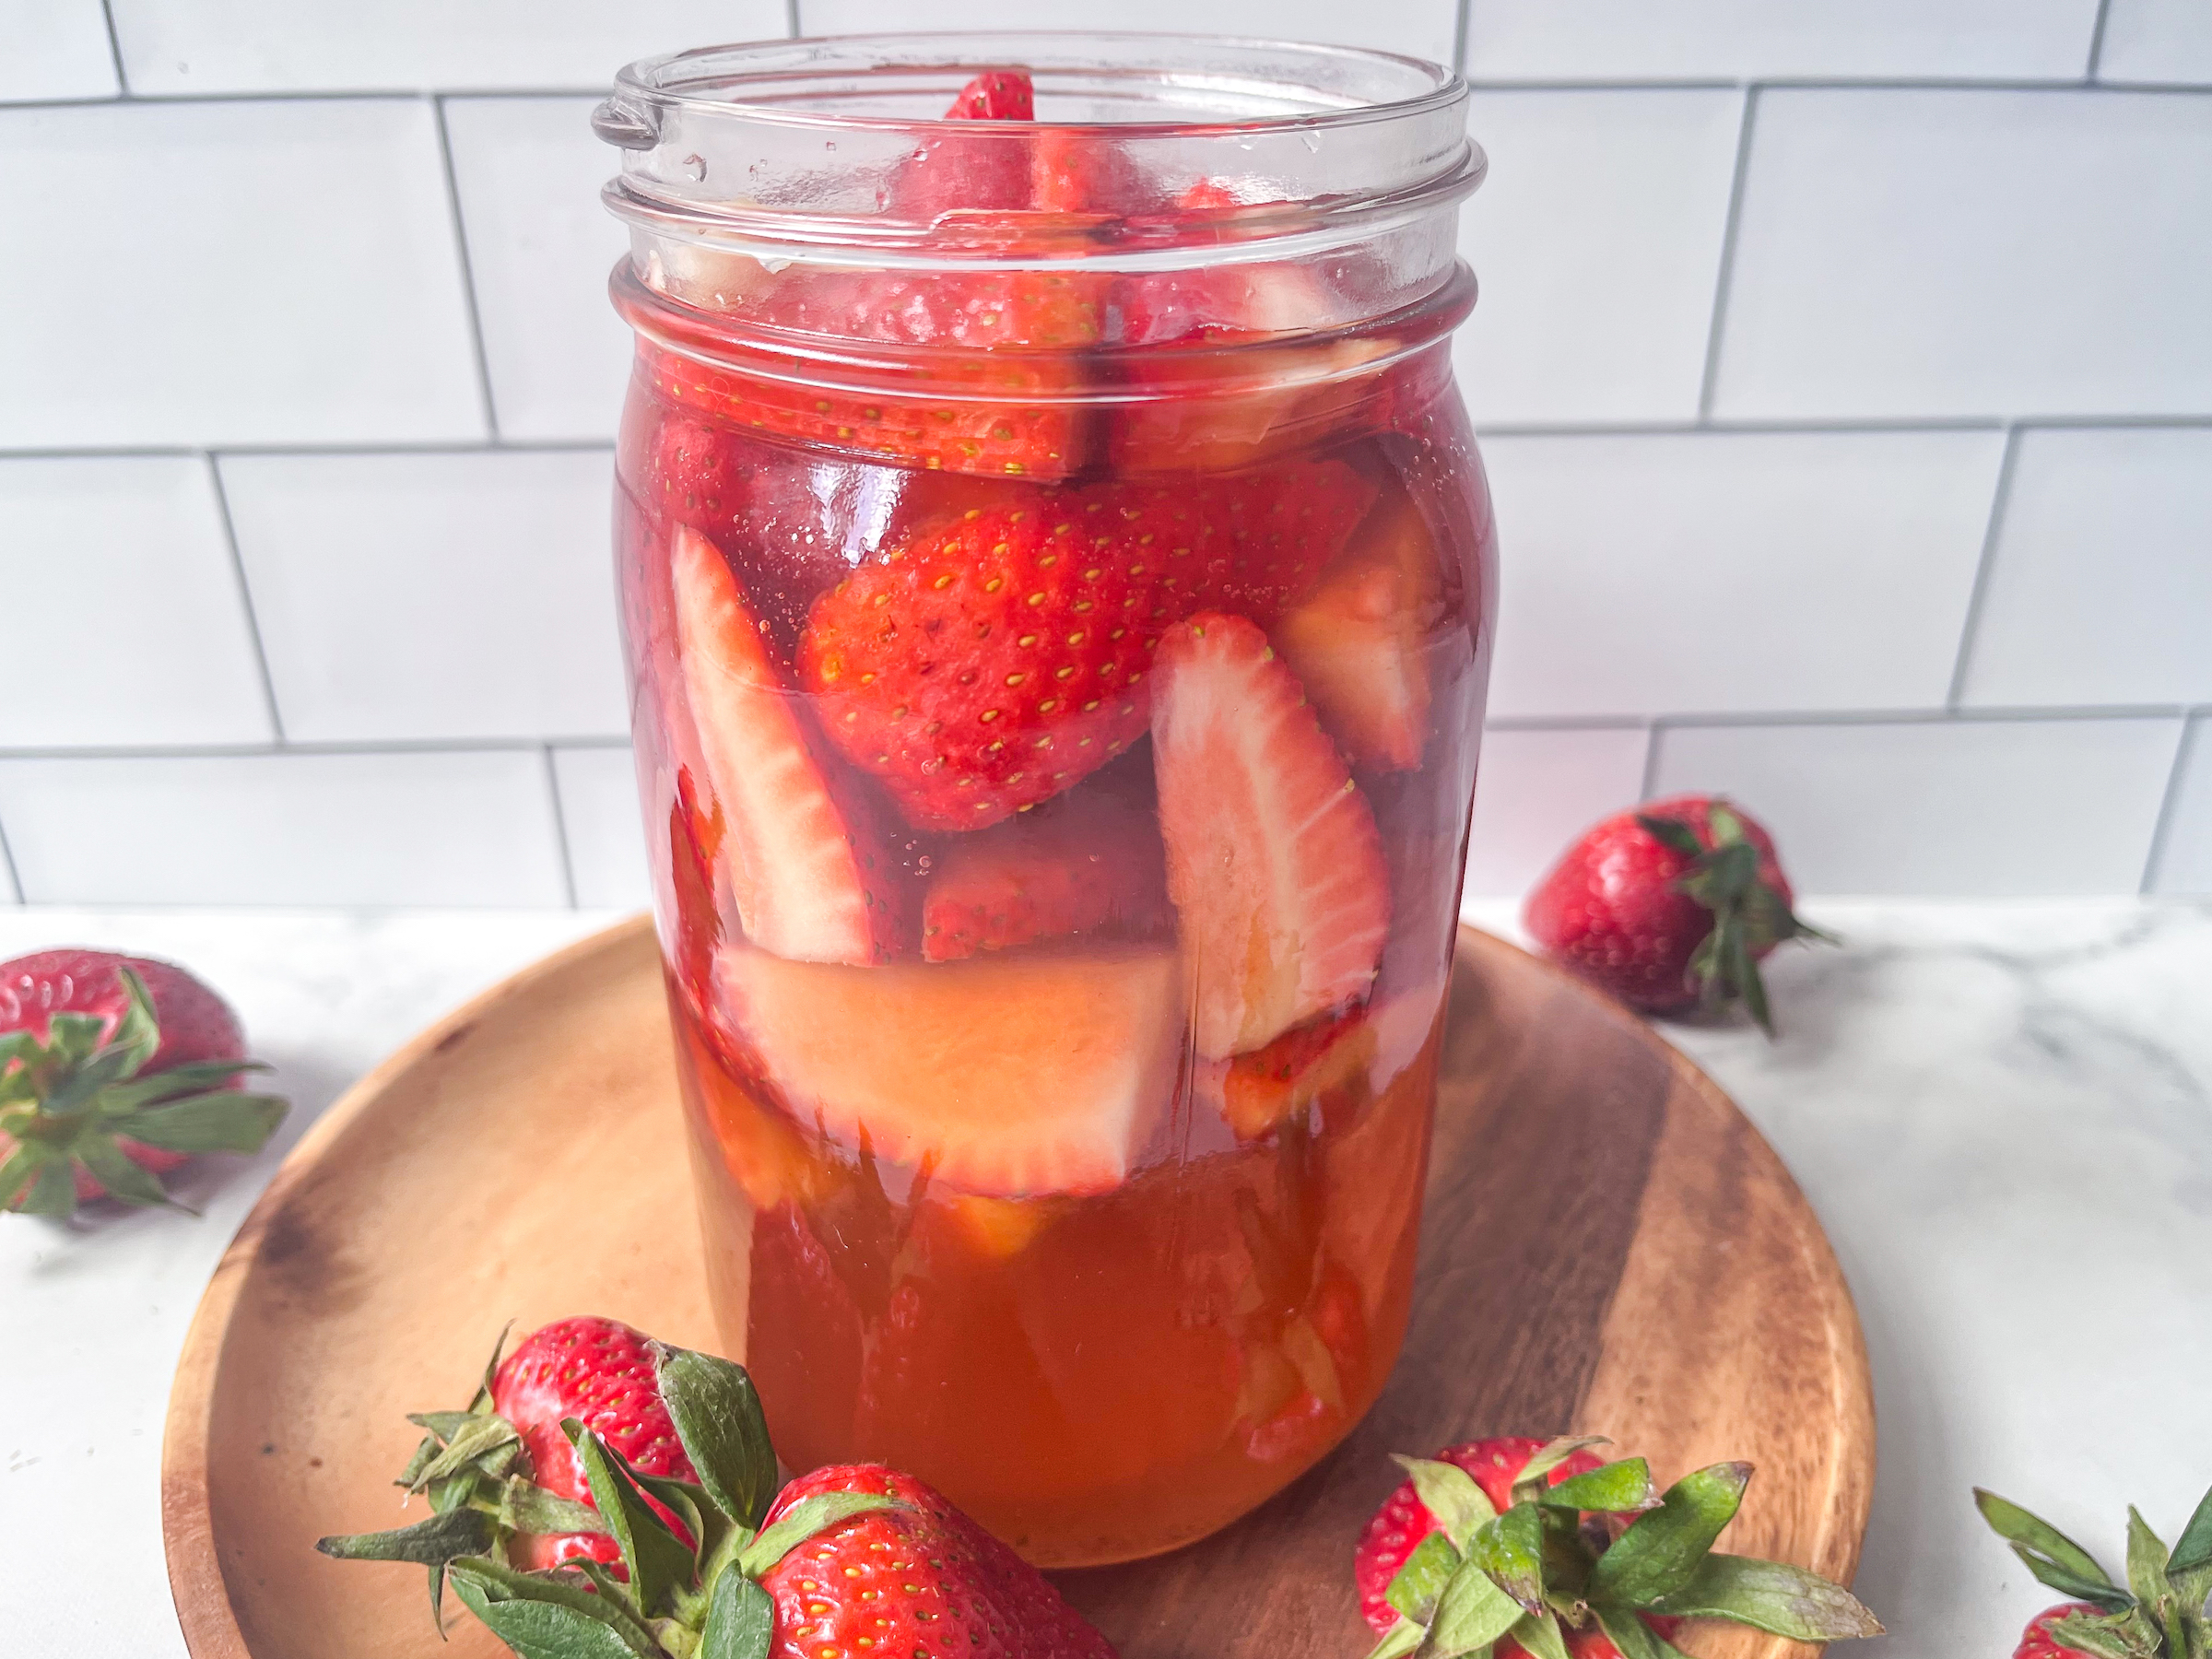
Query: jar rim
x,y
682,79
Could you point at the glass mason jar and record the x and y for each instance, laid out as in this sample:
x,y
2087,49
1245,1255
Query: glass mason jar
x,y
1057,580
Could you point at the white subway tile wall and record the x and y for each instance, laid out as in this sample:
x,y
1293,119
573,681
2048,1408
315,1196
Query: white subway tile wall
x,y
599,822
1844,369
55,49
424,596
124,598
2184,864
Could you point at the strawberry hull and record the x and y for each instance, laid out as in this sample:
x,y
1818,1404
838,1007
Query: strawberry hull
x,y
1056,696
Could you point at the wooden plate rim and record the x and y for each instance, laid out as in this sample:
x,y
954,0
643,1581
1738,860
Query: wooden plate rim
x,y
210,1625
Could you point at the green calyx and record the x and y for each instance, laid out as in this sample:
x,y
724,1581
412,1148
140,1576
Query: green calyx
x,y
67,1103
1749,914
1600,1549
691,1590
2159,1613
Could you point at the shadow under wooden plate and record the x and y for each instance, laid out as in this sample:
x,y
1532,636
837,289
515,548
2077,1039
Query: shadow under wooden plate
x,y
1610,1247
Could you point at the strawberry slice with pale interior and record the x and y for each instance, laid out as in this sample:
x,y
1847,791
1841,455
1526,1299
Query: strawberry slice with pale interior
x,y
806,870
1273,863
1209,409
1073,866
1003,1077
1359,641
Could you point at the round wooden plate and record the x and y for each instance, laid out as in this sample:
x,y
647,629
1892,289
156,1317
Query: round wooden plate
x,y
1609,1248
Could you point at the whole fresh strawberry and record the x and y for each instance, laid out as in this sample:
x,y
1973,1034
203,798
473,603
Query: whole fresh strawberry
x,y
600,1373
1538,1549
1670,905
998,657
2160,1613
113,1070
648,1523
920,1577
1403,1524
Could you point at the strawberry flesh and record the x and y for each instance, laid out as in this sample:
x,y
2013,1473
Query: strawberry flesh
x,y
995,660
1360,642
1274,864
1006,1076
809,877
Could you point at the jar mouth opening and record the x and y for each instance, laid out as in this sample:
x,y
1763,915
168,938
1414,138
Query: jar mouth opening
x,y
1134,84
791,147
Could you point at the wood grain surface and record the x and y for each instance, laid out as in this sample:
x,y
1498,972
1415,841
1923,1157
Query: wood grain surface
x,y
1610,1247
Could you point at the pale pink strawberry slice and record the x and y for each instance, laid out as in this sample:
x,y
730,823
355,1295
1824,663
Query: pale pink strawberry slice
x,y
1273,863
1003,1076
1359,641
806,870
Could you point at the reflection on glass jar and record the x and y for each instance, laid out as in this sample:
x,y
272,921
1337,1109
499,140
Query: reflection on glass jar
x,y
1057,579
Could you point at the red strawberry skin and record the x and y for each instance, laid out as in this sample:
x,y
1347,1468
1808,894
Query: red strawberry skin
x,y
1397,1528
2038,1643
1008,341
1038,877
1610,912
196,1024
993,661
995,95
922,1580
601,1373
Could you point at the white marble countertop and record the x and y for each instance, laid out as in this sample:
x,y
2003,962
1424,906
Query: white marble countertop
x,y
2003,1112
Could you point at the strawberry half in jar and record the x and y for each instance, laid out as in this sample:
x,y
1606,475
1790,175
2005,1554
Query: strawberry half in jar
x,y
1057,593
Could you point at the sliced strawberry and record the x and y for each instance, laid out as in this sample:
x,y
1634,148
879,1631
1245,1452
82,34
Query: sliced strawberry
x,y
994,402
806,871
1359,641
996,659
1273,860
1268,1086
996,95
1044,876
1043,1075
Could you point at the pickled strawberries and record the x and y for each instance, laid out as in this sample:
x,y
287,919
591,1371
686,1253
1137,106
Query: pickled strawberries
x,y
1060,806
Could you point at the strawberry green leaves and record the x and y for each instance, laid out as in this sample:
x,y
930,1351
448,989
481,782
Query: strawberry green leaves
x,y
1550,1563
718,1417
1769,1595
1663,1549
1750,914
2161,1614
690,1554
2048,1553
69,1103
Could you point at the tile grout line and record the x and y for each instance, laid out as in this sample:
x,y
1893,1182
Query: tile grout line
x,y
323,746
2104,10
1970,626
561,824
2184,755
123,81
1648,781
245,596
468,274
1724,278
7,863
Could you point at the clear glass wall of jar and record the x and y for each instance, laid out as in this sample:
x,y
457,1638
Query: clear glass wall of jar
x,y
1057,580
